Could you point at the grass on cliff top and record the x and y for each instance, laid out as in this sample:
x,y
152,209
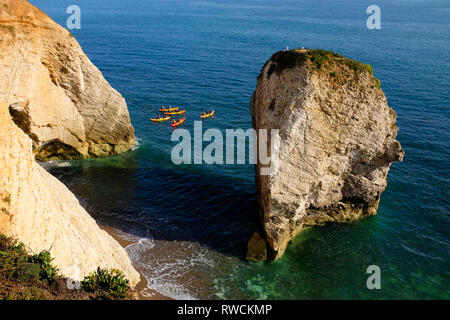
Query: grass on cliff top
x,y
319,60
25,276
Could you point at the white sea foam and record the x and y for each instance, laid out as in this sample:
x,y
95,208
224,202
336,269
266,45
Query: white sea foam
x,y
64,164
137,145
169,266
131,235
55,163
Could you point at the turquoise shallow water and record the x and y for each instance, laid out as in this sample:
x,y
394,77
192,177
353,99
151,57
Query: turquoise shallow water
x,y
191,223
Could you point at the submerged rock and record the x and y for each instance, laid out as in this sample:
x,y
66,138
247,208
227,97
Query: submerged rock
x,y
41,212
337,142
66,106
257,248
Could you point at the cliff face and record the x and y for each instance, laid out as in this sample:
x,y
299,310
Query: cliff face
x,y
41,212
57,96
337,142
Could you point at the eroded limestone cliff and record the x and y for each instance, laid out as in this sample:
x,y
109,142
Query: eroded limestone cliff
x,y
56,95
41,212
337,143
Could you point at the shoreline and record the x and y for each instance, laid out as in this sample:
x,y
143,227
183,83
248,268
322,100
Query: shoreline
x,y
142,286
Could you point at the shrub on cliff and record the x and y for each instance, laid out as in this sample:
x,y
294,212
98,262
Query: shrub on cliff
x,y
34,277
111,283
16,263
47,270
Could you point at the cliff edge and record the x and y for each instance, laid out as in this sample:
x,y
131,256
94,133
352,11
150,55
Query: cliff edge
x,y
41,212
337,143
55,94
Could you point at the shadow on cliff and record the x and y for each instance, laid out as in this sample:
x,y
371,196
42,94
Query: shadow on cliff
x,y
155,201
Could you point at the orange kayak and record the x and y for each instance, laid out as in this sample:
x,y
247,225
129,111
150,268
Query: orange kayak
x,y
160,119
170,109
208,115
177,123
175,113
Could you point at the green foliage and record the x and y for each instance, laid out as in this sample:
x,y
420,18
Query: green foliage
x,y
48,271
377,83
29,276
27,294
16,263
357,66
320,59
26,272
112,283
333,74
12,258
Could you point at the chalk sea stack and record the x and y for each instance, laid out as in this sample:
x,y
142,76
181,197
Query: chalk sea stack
x,y
55,94
337,143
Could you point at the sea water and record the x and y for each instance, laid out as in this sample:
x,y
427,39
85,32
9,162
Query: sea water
x,y
190,224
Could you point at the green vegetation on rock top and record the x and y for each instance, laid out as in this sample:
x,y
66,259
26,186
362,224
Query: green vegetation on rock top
x,y
319,59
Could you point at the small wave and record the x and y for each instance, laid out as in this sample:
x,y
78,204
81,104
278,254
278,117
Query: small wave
x,y
55,164
133,235
170,266
139,253
137,144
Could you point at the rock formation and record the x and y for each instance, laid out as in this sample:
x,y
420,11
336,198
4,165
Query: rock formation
x,y
57,96
337,142
41,212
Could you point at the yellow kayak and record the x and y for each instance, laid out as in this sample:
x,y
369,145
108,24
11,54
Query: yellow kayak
x,y
207,115
160,119
170,109
175,113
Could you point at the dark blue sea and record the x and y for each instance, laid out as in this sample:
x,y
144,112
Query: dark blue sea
x,y
190,224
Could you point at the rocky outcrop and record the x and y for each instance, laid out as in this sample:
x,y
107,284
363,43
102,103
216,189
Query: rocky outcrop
x,y
57,96
41,212
337,143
